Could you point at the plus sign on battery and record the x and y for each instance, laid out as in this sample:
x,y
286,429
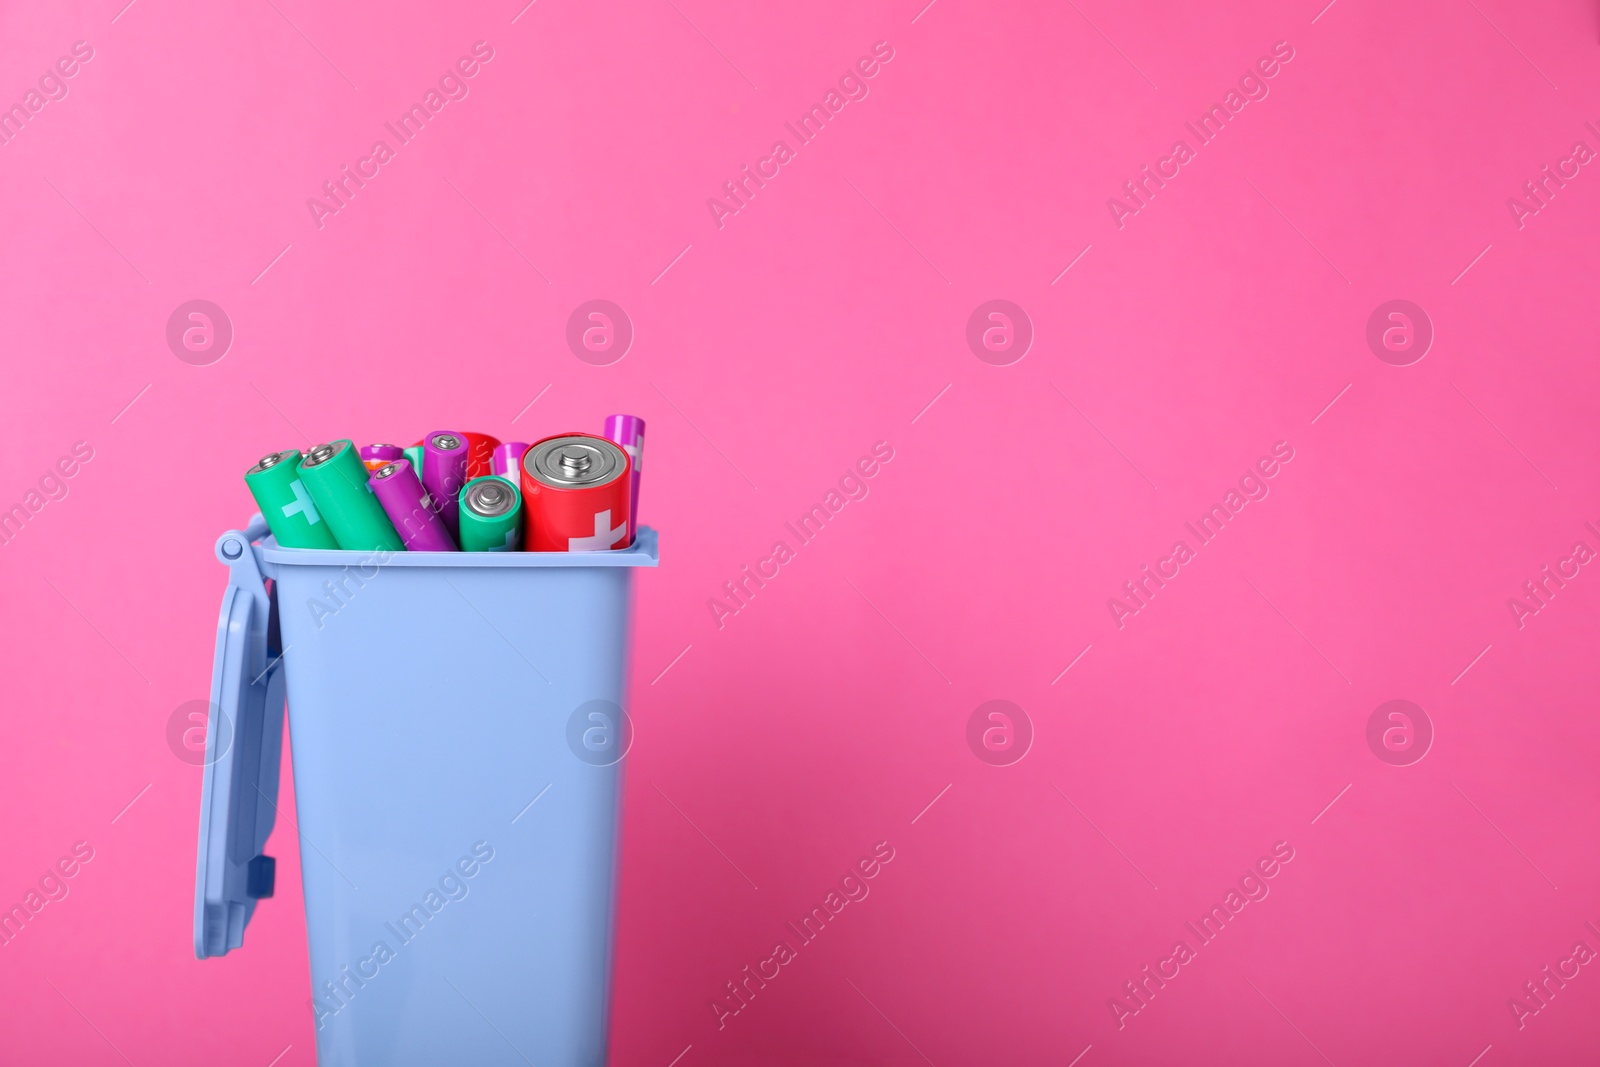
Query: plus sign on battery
x,y
286,503
302,504
605,535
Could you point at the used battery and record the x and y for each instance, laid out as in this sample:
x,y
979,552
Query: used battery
x,y
575,494
286,503
491,515
375,456
337,481
410,509
480,449
444,472
628,431
506,460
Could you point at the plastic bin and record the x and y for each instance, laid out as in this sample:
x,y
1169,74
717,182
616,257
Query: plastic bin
x,y
457,743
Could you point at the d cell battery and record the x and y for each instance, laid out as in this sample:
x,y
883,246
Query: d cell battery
x,y
575,494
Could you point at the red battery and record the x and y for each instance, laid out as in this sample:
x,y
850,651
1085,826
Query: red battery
x,y
575,490
480,446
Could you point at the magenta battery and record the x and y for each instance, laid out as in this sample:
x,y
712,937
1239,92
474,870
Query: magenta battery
x,y
506,461
375,456
628,432
444,472
410,508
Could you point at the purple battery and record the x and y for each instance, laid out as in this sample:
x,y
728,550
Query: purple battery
x,y
408,506
375,456
506,461
628,431
444,472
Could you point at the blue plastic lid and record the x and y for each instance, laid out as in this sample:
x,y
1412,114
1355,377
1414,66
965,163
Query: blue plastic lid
x,y
244,746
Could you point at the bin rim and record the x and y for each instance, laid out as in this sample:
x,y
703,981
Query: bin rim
x,y
642,553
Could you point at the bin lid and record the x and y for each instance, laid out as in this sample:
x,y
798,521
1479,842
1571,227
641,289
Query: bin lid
x,y
244,746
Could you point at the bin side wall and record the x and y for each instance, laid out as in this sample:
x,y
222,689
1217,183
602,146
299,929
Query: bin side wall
x,y
427,709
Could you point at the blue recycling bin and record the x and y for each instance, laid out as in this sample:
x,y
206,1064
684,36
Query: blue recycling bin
x,y
458,734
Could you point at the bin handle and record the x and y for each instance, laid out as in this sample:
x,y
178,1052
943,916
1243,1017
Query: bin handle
x,y
244,748
256,529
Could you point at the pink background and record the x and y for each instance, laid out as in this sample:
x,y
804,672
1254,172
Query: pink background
x,y
824,317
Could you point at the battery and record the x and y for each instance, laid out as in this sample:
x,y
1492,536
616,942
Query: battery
x,y
337,481
480,447
414,455
628,431
375,456
506,460
444,472
410,509
575,494
491,515
285,502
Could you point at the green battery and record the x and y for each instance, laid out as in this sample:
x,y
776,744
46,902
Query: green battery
x,y
337,481
414,454
491,515
285,502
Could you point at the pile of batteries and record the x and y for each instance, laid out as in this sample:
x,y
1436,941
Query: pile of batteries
x,y
452,491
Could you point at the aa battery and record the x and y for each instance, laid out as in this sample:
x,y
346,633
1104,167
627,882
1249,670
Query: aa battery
x,y
575,494
414,456
506,460
628,432
286,503
375,456
410,509
480,448
444,472
337,480
491,516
